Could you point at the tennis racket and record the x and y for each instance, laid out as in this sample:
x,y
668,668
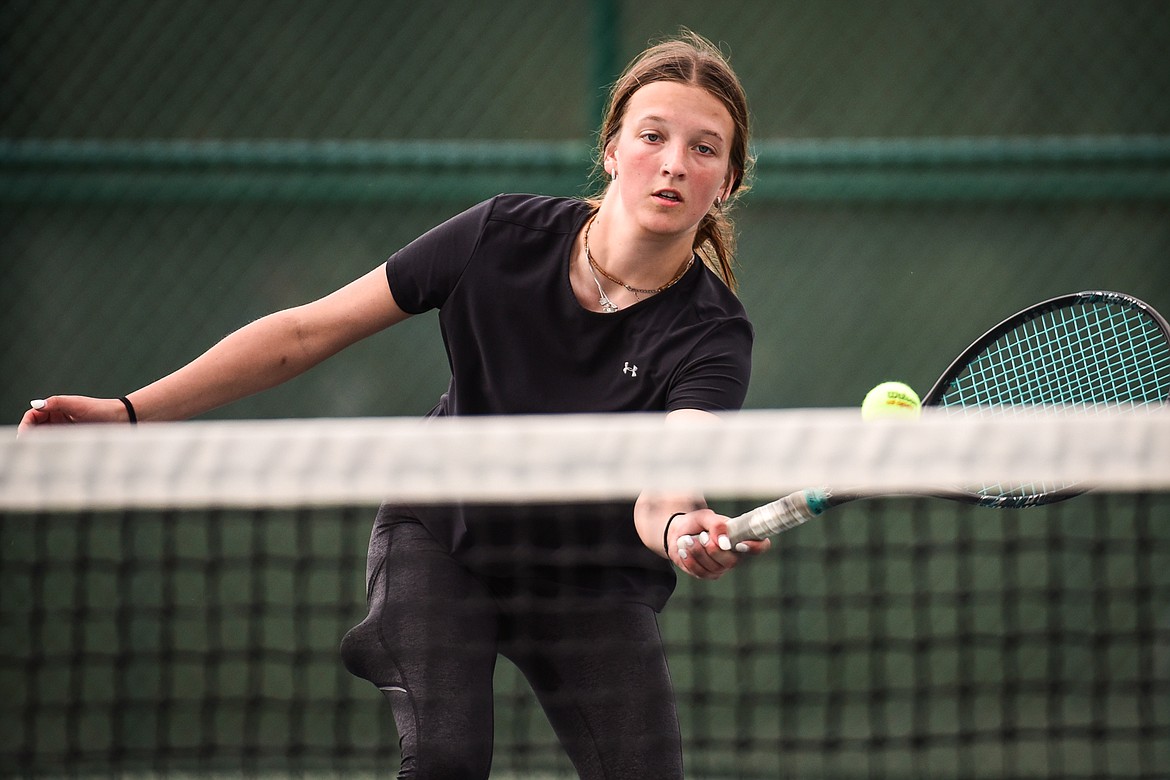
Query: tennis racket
x,y
1078,351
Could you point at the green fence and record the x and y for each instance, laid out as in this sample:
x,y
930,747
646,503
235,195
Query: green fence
x,y
172,170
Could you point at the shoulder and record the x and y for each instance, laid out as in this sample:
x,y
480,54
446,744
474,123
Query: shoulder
x,y
714,317
711,299
541,213
501,216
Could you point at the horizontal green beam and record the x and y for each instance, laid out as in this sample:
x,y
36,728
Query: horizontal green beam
x,y
285,171
928,169
960,169
294,155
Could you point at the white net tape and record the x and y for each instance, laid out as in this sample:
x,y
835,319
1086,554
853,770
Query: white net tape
x,y
751,454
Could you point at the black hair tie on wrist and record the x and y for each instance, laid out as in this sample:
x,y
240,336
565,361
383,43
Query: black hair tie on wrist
x,y
129,409
666,532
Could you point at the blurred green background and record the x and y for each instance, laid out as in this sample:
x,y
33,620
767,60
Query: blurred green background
x,y
171,170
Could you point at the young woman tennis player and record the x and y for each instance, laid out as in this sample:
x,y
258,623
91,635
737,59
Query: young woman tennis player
x,y
619,304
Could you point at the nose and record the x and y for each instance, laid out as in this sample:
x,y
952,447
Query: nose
x,y
674,160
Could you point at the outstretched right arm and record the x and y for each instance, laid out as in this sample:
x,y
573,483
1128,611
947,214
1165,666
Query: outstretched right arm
x,y
260,355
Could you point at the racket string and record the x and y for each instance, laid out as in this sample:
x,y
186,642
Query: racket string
x,y
1068,360
1079,359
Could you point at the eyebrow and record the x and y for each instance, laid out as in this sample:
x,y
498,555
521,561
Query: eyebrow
x,y
656,118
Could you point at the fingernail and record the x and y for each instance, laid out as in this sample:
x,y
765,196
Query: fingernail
x,y
685,541
724,543
704,537
741,547
682,553
37,404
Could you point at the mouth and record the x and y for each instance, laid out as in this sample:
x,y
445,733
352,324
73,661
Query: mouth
x,y
670,196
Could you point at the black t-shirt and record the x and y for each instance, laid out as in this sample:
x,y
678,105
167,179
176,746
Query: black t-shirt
x,y
519,342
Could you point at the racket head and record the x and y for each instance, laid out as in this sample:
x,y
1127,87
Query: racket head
x,y
1080,353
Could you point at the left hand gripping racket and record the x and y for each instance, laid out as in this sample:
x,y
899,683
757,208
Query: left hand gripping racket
x,y
1084,350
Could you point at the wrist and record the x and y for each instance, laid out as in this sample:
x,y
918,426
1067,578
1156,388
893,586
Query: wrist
x,y
131,415
666,533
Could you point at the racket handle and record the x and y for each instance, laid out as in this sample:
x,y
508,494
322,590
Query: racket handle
x,y
779,515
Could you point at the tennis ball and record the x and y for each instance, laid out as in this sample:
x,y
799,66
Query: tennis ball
x,y
891,400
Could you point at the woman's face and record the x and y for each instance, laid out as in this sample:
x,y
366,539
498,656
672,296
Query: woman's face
x,y
671,156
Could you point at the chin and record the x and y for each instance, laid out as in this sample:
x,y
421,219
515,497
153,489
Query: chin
x,y
670,222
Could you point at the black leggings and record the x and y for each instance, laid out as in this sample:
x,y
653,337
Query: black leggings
x,y
430,644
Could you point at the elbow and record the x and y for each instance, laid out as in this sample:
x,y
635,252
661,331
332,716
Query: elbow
x,y
292,343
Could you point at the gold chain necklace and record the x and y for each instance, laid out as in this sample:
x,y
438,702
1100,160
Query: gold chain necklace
x,y
608,305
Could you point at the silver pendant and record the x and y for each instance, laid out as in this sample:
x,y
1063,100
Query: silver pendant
x,y
607,305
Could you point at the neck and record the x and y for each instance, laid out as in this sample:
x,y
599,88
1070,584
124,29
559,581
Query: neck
x,y
636,257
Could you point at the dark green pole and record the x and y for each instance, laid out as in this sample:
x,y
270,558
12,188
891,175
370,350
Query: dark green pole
x,y
604,51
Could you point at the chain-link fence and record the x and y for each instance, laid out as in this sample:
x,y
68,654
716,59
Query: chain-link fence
x,y
171,170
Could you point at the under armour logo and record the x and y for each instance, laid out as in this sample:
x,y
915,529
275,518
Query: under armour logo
x,y
631,370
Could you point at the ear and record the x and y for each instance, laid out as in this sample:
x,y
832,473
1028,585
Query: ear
x,y
609,161
723,194
730,184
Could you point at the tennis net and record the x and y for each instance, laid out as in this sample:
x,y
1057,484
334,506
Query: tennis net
x,y
173,595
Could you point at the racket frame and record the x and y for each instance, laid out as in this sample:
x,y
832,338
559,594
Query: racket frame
x,y
934,396
803,505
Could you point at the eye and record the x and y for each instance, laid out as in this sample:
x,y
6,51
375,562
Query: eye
x,y
706,149
651,136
